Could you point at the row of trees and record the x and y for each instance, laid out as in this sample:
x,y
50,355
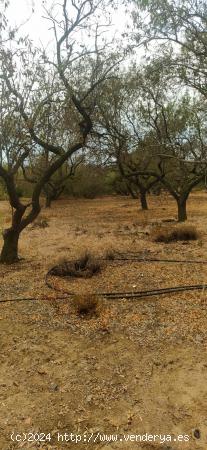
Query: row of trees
x,y
157,134
156,116
89,97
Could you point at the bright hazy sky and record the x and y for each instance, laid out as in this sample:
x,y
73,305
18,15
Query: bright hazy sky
x,y
37,27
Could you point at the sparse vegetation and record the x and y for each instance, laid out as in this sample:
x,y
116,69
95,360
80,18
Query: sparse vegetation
x,y
85,267
179,233
86,304
88,264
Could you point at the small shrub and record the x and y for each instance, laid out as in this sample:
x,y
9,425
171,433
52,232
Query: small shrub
x,y
86,304
180,233
88,263
85,267
83,261
94,267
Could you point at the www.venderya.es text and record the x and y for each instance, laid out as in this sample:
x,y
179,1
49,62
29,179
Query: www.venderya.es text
x,y
98,437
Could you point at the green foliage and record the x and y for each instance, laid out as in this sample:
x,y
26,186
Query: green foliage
x,y
182,22
90,182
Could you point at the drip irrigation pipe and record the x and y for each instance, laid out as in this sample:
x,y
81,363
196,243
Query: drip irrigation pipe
x,y
29,299
134,256
152,292
127,295
188,261
119,295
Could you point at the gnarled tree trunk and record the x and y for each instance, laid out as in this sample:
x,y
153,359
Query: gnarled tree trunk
x,y
131,191
48,200
52,193
143,199
182,212
9,253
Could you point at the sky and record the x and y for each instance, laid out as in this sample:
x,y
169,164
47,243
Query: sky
x,y
38,28
35,24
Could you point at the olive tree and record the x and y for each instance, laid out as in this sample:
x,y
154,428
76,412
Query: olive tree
x,y
123,133
157,133
48,101
179,29
175,130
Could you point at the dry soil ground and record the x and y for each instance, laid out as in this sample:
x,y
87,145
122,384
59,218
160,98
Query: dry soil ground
x,y
138,367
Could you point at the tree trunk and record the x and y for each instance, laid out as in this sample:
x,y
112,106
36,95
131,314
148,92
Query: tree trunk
x,y
143,199
9,253
132,193
182,213
48,201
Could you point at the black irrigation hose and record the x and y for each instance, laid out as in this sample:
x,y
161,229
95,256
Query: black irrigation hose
x,y
149,293
127,295
29,299
131,256
188,261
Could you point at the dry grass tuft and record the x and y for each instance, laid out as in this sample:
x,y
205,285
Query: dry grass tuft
x,y
85,267
88,263
87,304
180,233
